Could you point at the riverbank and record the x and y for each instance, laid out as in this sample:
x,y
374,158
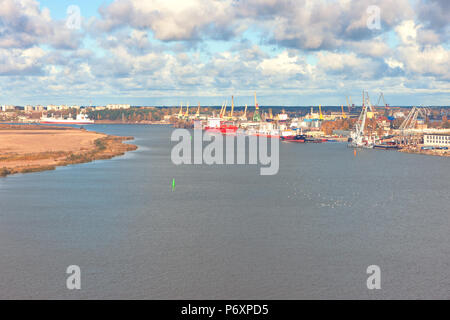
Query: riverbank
x,y
30,148
418,150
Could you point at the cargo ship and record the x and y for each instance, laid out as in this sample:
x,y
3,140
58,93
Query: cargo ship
x,y
220,126
292,136
390,145
272,133
81,119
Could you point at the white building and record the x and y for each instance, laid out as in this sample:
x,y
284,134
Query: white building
x,y
436,140
8,108
56,108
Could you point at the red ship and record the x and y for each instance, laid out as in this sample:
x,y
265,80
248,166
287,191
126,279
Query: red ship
x,y
220,126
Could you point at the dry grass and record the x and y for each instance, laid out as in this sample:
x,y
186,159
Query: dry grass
x,y
105,147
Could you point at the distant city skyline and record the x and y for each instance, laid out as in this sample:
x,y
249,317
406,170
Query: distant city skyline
x,y
292,53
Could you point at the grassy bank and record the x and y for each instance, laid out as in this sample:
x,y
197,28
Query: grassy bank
x,y
103,147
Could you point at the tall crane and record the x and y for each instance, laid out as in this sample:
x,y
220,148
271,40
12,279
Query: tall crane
x,y
244,116
344,116
320,112
256,115
197,115
358,135
224,110
384,101
180,114
221,109
411,118
232,107
348,104
187,111
372,107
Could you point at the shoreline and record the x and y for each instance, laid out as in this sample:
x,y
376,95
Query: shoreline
x,y
26,149
436,153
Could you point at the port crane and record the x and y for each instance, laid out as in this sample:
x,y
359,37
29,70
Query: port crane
x,y
197,115
349,104
320,112
256,115
232,107
358,136
180,114
186,115
381,96
244,116
223,110
411,119
344,116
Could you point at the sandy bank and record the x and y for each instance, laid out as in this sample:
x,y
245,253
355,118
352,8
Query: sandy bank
x,y
31,148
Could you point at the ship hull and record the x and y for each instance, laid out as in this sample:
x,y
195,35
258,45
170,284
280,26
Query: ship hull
x,y
296,138
67,122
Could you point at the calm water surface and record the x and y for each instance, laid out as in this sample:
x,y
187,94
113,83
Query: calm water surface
x,y
226,232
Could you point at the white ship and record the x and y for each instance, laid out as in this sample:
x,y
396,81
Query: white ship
x,y
80,119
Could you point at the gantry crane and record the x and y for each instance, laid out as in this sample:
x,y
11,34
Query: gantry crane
x,y
411,119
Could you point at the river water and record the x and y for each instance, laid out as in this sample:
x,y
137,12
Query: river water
x,y
226,232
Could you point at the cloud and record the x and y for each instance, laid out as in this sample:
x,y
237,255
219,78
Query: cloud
x,y
18,62
217,48
23,25
302,24
171,20
419,59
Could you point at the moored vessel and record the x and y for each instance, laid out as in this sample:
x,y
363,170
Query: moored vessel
x,y
80,119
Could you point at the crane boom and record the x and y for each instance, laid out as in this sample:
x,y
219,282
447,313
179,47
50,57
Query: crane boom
x,y
344,116
232,107
224,110
187,111
256,115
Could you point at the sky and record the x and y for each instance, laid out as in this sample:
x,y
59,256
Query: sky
x,y
167,52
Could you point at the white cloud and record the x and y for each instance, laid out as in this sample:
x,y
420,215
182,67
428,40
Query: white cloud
x,y
418,59
18,61
265,46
